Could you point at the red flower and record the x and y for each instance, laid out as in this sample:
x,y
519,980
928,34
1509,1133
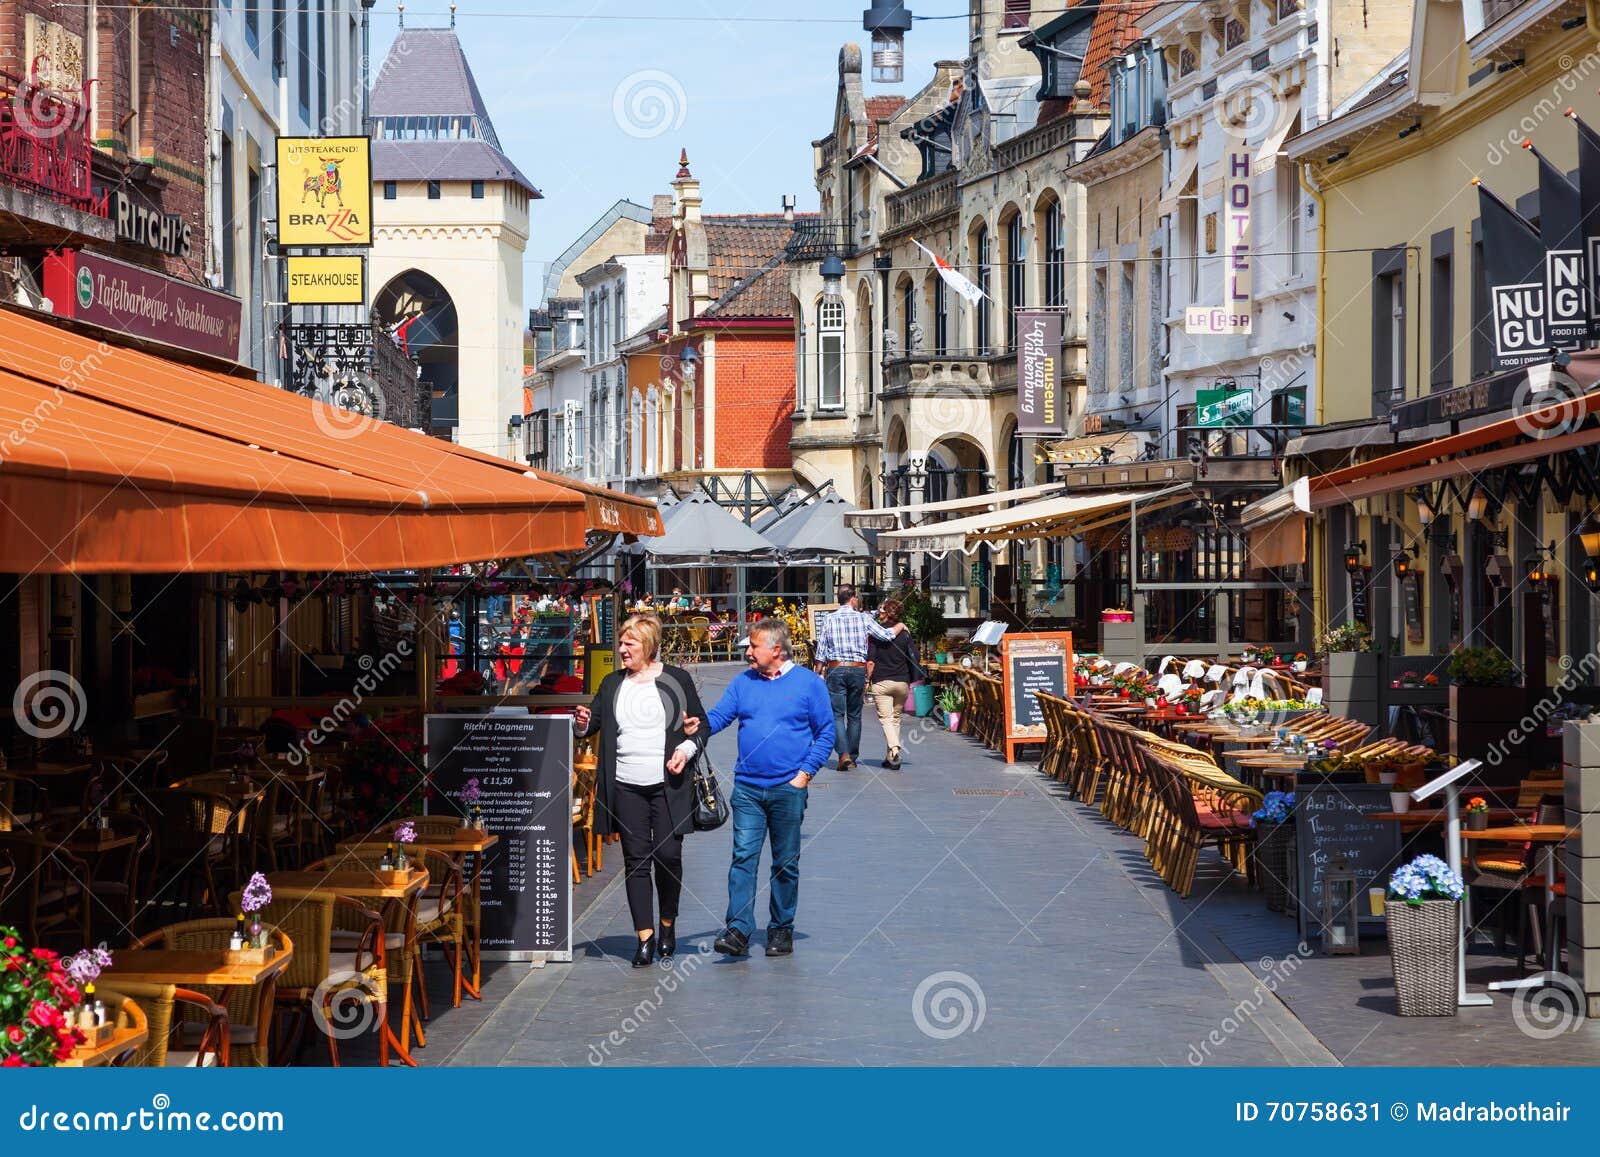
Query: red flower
x,y
45,1015
11,941
44,954
64,1053
16,1033
13,1061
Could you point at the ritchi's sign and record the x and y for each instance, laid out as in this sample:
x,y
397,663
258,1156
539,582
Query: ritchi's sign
x,y
141,225
143,303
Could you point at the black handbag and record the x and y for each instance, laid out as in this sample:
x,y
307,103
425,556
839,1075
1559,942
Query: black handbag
x,y
710,805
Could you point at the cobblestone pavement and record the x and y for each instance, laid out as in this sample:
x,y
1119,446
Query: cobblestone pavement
x,y
955,912
960,912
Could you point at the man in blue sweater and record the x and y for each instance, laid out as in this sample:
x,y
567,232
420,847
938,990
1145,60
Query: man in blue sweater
x,y
785,734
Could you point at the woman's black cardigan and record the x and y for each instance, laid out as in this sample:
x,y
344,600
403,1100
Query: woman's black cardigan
x,y
679,697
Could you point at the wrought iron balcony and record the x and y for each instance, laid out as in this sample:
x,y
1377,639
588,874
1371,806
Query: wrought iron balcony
x,y
814,240
360,368
45,142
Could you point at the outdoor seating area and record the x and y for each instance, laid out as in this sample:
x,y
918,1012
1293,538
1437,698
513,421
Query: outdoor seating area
x,y
1224,760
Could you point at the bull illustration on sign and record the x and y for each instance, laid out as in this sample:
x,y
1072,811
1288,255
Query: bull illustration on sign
x,y
324,184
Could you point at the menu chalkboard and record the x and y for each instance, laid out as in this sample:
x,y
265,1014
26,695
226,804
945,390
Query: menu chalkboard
x,y
1030,662
1332,820
1411,591
523,765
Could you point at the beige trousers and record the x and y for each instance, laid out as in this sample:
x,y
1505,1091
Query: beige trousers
x,y
890,699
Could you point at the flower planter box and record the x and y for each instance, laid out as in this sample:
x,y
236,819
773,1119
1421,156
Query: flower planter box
x,y
1350,685
1422,948
1116,616
1485,717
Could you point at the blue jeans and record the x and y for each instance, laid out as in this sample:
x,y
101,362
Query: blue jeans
x,y
759,812
847,687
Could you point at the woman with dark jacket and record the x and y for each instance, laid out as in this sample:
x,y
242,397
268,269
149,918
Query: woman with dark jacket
x,y
645,792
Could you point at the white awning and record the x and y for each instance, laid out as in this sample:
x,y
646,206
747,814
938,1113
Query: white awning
x,y
1183,167
1267,152
1275,526
890,517
1060,517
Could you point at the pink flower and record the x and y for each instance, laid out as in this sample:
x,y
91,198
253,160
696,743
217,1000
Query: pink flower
x,y
16,1033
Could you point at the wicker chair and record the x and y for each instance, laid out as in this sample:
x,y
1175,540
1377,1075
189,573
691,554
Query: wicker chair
x,y
441,917
320,977
249,1007
402,950
160,1004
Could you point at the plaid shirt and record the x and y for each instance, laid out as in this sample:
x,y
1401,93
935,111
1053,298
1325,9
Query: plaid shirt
x,y
842,637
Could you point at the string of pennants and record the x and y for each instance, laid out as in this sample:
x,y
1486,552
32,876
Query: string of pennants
x,y
1544,279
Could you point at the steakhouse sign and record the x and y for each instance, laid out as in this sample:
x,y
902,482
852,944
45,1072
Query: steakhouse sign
x,y
142,303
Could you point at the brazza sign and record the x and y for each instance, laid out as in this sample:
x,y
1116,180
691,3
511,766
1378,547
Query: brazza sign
x,y
325,191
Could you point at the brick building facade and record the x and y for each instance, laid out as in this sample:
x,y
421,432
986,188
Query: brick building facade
x,y
142,75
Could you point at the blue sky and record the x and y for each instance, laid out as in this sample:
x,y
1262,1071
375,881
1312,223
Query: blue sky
x,y
746,99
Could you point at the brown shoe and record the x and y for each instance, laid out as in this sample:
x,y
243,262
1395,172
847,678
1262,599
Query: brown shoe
x,y
846,763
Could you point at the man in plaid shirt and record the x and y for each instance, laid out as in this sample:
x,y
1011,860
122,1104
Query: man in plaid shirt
x,y
842,655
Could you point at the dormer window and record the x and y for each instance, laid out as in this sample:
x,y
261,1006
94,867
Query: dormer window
x,y
1060,47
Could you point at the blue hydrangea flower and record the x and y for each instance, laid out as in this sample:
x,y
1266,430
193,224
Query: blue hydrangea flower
x,y
1425,878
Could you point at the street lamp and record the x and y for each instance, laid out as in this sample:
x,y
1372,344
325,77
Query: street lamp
x,y
1352,556
1477,503
888,21
832,278
1424,508
1402,563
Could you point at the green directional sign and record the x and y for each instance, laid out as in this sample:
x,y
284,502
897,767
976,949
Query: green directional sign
x,y
1223,407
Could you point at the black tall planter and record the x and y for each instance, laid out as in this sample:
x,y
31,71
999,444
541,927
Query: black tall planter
x,y
1274,852
1485,719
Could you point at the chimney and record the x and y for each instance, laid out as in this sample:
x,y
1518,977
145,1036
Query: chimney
x,y
686,191
661,213
788,207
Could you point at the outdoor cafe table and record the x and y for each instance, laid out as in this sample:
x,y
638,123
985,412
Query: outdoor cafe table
x,y
358,884
1547,837
93,1056
190,966
457,845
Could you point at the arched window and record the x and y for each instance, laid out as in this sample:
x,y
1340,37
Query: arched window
x,y
938,295
1055,256
908,316
865,345
830,354
1016,283
981,257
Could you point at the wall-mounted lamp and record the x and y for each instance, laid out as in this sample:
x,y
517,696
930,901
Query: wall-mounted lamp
x,y
1402,563
1589,536
1352,556
833,271
1538,570
1477,504
1424,508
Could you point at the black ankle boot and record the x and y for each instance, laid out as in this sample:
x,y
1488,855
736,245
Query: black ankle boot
x,y
646,954
667,940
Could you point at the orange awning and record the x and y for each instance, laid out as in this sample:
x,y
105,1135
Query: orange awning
x,y
116,460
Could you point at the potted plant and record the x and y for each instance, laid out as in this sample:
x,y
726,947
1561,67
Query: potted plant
x,y
1274,848
941,649
257,895
1477,814
1350,673
1422,912
1484,705
951,703
1300,662
38,1003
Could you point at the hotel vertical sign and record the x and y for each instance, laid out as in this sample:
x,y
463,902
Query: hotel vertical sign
x,y
1039,409
1235,313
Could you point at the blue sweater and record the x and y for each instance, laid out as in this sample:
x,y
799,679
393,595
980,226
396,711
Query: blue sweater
x,y
785,725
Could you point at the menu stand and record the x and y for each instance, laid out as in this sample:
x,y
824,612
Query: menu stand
x,y
1449,783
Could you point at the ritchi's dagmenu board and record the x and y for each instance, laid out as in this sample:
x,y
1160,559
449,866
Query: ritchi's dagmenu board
x,y
1040,661
523,765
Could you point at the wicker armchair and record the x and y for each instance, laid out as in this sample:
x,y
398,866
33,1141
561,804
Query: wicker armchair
x,y
402,949
160,1003
441,917
249,1007
325,983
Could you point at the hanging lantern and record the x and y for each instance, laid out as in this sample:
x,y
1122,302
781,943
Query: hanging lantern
x,y
1352,556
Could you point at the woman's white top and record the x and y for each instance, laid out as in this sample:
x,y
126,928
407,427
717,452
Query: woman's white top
x,y
641,733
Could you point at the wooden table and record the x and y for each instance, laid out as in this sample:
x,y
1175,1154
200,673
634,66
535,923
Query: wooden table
x,y
1427,817
355,882
87,1056
189,967
1547,837
458,845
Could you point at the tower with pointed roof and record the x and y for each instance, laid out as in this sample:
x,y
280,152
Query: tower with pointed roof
x,y
451,223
